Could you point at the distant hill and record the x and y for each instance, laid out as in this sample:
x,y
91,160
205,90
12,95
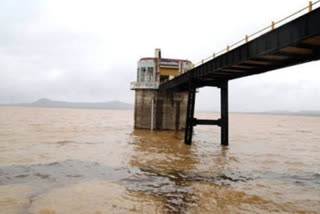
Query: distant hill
x,y
313,113
123,106
299,113
61,104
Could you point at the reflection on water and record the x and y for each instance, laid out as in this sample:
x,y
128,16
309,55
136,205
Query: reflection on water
x,y
92,161
167,167
162,159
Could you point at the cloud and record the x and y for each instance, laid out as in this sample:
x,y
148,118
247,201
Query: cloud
x,y
87,50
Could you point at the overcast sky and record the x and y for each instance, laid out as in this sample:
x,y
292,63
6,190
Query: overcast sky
x,y
74,50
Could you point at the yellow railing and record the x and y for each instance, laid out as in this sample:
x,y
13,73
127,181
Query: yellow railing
x,y
264,30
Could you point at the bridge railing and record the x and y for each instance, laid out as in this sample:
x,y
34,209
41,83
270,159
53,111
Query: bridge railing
x,y
271,27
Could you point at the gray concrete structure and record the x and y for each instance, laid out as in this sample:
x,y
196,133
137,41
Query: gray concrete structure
x,y
160,110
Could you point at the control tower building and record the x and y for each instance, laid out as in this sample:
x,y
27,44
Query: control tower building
x,y
155,109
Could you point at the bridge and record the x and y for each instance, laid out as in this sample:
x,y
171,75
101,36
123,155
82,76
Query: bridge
x,y
293,43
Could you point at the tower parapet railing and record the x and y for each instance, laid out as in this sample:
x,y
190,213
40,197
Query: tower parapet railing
x,y
144,85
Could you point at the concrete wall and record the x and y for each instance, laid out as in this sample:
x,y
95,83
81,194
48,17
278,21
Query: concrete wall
x,y
169,112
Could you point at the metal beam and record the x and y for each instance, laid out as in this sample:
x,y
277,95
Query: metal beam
x,y
224,114
206,122
189,117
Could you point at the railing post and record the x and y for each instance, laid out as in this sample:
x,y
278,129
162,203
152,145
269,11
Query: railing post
x,y
310,6
224,113
189,115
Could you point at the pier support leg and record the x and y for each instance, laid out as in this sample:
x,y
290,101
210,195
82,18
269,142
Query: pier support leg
x,y
189,116
224,114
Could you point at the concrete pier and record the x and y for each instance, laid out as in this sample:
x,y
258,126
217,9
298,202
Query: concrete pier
x,y
169,110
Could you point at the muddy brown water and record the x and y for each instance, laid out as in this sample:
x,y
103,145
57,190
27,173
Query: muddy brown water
x,y
93,161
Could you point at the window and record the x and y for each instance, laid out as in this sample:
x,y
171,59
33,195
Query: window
x,y
143,75
150,74
138,74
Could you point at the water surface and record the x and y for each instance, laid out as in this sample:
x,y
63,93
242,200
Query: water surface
x,y
92,161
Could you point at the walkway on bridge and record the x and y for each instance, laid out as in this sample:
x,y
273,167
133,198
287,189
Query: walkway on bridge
x,y
293,43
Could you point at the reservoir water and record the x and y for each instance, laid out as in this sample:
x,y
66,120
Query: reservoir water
x,y
81,161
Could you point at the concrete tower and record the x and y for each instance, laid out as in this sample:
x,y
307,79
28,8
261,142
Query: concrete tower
x,y
154,109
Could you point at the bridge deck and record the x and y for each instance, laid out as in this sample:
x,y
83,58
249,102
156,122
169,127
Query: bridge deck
x,y
294,43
